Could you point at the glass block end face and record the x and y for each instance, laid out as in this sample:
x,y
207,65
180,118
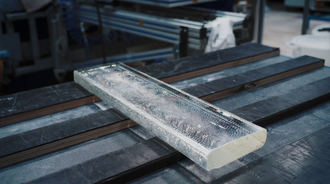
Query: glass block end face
x,y
209,136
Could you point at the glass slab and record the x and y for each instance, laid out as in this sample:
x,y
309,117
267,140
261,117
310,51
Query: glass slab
x,y
209,136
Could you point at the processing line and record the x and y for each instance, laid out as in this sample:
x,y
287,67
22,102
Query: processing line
x,y
143,25
171,122
82,140
242,23
171,30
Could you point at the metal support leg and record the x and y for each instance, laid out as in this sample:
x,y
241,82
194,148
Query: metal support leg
x,y
59,40
305,18
255,20
261,20
34,39
184,42
203,37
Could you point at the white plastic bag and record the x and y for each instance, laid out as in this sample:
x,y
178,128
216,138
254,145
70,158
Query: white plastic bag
x,y
221,35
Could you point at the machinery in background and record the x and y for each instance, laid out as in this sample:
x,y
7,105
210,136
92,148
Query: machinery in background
x,y
26,37
65,35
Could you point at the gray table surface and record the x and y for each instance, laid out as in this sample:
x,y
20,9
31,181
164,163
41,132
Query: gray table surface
x,y
297,148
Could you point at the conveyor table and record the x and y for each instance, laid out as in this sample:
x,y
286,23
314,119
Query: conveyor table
x,y
91,142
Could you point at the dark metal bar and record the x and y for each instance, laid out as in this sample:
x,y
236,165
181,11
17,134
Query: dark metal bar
x,y
305,18
261,20
184,42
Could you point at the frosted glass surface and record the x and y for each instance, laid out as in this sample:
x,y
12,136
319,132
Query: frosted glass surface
x,y
209,136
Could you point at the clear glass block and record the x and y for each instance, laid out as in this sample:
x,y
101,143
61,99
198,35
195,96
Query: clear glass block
x,y
209,136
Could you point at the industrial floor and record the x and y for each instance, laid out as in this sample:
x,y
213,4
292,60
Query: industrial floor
x,y
281,25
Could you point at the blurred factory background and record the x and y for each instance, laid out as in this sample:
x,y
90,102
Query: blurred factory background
x,y
43,41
